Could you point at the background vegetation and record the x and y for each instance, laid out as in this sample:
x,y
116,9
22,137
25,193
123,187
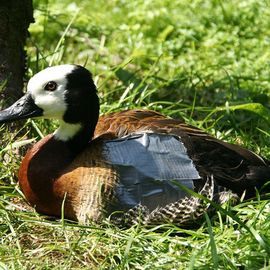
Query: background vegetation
x,y
204,61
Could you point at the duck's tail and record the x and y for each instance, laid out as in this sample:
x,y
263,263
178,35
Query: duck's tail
x,y
259,177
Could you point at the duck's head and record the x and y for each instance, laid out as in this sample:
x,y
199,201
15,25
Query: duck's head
x,y
64,92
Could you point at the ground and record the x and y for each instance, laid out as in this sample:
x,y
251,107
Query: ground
x,y
204,61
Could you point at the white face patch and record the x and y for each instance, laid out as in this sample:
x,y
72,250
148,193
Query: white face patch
x,y
52,102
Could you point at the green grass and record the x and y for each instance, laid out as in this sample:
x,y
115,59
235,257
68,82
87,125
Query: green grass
x,y
204,61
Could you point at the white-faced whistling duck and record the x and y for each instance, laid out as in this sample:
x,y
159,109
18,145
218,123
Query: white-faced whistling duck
x,y
122,165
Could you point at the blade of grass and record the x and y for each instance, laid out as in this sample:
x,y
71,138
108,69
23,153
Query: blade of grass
x,y
212,243
61,40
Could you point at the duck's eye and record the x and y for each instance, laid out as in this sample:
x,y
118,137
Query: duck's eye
x,y
50,86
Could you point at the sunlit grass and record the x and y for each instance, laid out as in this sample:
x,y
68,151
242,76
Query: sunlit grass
x,y
206,62
60,245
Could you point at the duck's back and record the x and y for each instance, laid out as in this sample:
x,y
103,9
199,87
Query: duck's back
x,y
217,169
231,166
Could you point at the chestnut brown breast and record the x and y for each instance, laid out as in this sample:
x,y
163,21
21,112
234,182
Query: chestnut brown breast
x,y
50,176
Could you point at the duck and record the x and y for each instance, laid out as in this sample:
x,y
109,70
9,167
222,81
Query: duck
x,y
130,166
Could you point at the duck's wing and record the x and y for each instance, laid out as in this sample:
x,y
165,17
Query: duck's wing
x,y
231,166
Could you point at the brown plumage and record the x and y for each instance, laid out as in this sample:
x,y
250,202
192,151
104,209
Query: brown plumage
x,y
233,167
84,183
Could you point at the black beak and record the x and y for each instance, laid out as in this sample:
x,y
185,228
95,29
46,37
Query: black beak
x,y
23,108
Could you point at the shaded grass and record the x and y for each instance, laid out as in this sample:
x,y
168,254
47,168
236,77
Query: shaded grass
x,y
206,62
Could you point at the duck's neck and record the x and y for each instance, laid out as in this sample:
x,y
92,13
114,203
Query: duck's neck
x,y
76,136
66,131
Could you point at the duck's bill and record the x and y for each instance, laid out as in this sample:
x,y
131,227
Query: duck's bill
x,y
23,108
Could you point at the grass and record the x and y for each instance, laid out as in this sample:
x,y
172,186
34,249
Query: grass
x,y
204,61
